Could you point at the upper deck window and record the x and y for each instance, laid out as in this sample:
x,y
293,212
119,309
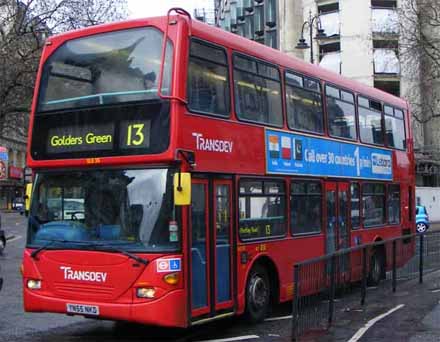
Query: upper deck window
x,y
257,91
107,68
304,103
208,82
394,127
370,121
341,113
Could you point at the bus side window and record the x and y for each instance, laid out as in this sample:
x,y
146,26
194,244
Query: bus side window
x,y
208,81
257,90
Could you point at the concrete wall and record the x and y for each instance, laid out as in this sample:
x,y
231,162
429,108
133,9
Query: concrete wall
x,y
430,198
290,19
356,40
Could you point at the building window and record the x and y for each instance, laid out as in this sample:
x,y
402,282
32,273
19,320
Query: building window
x,y
370,121
328,8
385,19
384,3
262,209
373,204
341,113
306,207
386,56
257,91
270,39
208,81
329,16
304,103
386,61
330,56
390,86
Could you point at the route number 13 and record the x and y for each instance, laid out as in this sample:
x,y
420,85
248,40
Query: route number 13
x,y
135,134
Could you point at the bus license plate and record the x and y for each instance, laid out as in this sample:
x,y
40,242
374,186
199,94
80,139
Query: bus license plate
x,y
83,309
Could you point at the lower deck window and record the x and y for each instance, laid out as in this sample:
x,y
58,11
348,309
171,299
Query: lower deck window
x,y
262,209
373,201
306,207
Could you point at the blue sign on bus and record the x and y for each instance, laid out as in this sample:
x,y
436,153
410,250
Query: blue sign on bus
x,y
295,154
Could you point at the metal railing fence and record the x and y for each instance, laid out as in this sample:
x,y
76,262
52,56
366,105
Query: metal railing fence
x,y
323,285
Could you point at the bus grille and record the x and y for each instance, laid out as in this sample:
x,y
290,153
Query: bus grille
x,y
84,290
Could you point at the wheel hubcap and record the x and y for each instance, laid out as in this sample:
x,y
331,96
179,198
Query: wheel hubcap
x,y
258,291
421,227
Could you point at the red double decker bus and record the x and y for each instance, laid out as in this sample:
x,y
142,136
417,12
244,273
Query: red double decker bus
x,y
180,171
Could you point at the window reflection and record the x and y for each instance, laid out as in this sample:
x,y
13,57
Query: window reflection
x,y
304,104
262,209
105,68
129,207
208,84
306,207
373,204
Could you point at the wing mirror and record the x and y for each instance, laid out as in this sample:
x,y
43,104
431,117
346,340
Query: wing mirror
x,y
182,188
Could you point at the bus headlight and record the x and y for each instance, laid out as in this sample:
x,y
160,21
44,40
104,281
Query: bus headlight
x,y
34,284
146,292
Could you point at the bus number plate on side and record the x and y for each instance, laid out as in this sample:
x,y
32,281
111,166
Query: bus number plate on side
x,y
83,309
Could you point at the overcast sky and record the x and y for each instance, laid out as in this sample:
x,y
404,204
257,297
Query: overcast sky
x,y
152,8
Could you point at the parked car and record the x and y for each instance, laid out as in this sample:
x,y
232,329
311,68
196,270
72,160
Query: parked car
x,y
2,241
17,204
422,219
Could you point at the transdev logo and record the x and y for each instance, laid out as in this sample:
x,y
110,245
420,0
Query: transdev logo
x,y
381,164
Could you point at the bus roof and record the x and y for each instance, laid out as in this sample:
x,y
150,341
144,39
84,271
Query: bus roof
x,y
246,46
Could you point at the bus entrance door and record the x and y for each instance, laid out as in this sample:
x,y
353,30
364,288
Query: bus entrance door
x,y
211,248
337,223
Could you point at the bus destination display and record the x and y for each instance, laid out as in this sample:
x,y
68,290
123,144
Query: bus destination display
x,y
99,137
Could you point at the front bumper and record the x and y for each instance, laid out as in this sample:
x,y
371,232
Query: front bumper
x,y
168,310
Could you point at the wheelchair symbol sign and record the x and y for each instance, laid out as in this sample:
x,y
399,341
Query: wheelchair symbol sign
x,y
168,265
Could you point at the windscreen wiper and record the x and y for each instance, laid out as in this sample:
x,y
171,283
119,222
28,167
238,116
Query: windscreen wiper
x,y
95,247
111,248
50,243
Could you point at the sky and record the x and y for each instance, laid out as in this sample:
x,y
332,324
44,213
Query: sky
x,y
152,8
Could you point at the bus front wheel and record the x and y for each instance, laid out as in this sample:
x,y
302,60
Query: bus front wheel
x,y
257,294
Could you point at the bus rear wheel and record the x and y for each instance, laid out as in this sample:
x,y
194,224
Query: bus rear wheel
x,y
377,268
258,294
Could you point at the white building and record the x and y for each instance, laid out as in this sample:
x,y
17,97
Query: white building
x,y
363,42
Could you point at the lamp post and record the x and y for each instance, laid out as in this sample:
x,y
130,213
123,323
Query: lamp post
x,y
313,20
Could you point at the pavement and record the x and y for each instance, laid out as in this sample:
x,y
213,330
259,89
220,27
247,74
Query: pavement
x,y
9,234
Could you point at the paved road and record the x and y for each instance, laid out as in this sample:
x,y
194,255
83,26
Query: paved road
x,y
16,325
416,321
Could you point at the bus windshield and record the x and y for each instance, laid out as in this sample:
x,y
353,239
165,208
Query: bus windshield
x,y
131,209
108,68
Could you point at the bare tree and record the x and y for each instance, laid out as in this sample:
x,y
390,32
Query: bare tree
x,y
420,55
24,26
